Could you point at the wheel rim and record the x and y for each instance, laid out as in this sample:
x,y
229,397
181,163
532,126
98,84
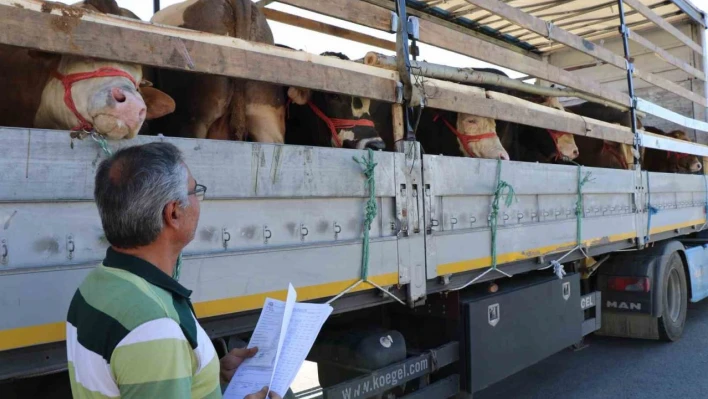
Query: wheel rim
x,y
673,295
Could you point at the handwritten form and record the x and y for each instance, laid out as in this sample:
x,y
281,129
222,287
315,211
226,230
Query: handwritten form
x,y
284,336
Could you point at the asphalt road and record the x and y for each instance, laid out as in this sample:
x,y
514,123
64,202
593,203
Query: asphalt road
x,y
607,368
619,368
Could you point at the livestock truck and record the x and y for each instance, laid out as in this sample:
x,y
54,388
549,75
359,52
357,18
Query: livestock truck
x,y
478,268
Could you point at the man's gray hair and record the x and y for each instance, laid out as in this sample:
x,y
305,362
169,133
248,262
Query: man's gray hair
x,y
132,189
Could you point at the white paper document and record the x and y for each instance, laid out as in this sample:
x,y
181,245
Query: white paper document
x,y
284,336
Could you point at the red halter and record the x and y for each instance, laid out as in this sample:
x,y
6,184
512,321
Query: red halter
x,y
333,123
677,155
613,151
555,135
69,80
464,138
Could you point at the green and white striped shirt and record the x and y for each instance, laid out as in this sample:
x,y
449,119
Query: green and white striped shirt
x,y
131,333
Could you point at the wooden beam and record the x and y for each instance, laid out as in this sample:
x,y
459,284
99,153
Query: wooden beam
x,y
666,84
397,118
300,22
666,56
662,23
120,39
369,13
472,100
551,32
449,39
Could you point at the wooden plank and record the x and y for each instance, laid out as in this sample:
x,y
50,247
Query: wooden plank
x,y
663,113
444,37
557,34
666,84
635,37
377,15
397,119
652,16
500,106
294,20
120,39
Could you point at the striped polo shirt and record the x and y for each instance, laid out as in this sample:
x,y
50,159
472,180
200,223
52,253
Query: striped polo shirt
x,y
131,333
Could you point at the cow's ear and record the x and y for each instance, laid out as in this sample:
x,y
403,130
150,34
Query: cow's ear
x,y
299,95
157,102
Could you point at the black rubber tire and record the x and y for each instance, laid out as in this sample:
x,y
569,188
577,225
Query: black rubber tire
x,y
671,328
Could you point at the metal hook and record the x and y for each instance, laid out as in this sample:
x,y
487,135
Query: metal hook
x,y
267,234
225,237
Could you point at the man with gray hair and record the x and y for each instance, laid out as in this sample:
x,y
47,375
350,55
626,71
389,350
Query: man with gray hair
x,y
131,331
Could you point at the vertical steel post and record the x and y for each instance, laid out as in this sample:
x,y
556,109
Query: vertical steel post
x,y
639,201
155,6
404,69
630,83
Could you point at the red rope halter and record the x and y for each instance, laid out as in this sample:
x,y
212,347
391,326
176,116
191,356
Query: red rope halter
x,y
606,147
464,138
68,80
677,155
334,123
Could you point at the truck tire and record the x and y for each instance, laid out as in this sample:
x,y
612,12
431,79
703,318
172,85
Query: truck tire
x,y
674,300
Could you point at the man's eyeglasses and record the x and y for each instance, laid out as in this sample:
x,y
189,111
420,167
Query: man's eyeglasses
x,y
199,191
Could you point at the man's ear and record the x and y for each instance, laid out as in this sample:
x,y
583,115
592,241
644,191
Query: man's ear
x,y
157,102
171,214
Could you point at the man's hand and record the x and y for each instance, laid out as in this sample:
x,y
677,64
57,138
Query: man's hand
x,y
262,394
232,360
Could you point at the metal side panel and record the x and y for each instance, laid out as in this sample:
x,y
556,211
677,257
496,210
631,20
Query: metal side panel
x,y
697,258
409,210
540,220
679,201
273,214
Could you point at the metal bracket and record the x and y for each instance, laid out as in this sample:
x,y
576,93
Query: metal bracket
x,y
413,27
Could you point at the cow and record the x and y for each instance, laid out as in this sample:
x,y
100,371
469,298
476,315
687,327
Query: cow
x,y
64,92
530,143
333,120
459,134
218,107
670,162
602,153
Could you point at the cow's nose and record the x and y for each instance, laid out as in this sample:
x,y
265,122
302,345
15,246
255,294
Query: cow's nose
x,y
376,145
576,153
504,156
118,94
697,167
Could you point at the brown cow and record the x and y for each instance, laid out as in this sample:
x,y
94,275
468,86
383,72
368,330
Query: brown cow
x,y
601,153
218,107
670,162
69,92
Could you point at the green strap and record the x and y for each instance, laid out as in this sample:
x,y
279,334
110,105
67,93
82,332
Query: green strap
x,y
370,209
502,188
579,205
